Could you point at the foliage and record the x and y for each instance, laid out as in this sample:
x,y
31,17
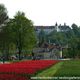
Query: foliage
x,y
22,32
70,38
42,37
17,34
3,35
3,14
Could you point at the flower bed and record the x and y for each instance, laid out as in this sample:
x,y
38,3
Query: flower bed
x,y
23,67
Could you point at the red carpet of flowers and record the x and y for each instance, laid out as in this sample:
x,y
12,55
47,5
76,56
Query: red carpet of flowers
x,y
16,71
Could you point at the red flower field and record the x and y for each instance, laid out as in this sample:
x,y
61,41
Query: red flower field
x,y
18,70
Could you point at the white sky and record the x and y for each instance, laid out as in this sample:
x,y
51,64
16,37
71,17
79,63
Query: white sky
x,y
46,12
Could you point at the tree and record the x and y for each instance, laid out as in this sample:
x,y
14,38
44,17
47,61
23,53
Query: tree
x,y
3,21
75,30
3,14
42,37
22,33
74,41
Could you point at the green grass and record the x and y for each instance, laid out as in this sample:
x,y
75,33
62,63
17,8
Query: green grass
x,y
50,71
69,69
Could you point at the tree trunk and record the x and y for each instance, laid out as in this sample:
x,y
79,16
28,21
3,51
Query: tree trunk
x,y
19,45
20,54
33,57
3,57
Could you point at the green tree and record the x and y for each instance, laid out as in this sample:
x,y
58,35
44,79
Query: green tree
x,y
73,39
75,29
22,33
42,37
3,14
3,21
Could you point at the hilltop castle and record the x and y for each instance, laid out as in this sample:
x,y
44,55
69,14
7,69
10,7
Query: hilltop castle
x,y
48,29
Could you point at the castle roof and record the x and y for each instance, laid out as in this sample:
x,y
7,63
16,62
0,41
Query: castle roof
x,y
44,27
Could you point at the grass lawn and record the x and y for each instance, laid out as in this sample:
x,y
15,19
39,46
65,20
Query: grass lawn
x,y
50,71
63,69
69,68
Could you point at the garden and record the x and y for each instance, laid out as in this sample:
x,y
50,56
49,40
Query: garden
x,y
24,70
40,69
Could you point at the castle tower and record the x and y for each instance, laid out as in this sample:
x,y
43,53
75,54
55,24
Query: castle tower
x,y
56,27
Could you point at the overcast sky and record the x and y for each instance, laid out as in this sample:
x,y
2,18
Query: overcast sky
x,y
46,12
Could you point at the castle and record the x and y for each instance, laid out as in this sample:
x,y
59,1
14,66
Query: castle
x,y
48,29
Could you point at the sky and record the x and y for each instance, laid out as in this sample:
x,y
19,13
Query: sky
x,y
46,12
